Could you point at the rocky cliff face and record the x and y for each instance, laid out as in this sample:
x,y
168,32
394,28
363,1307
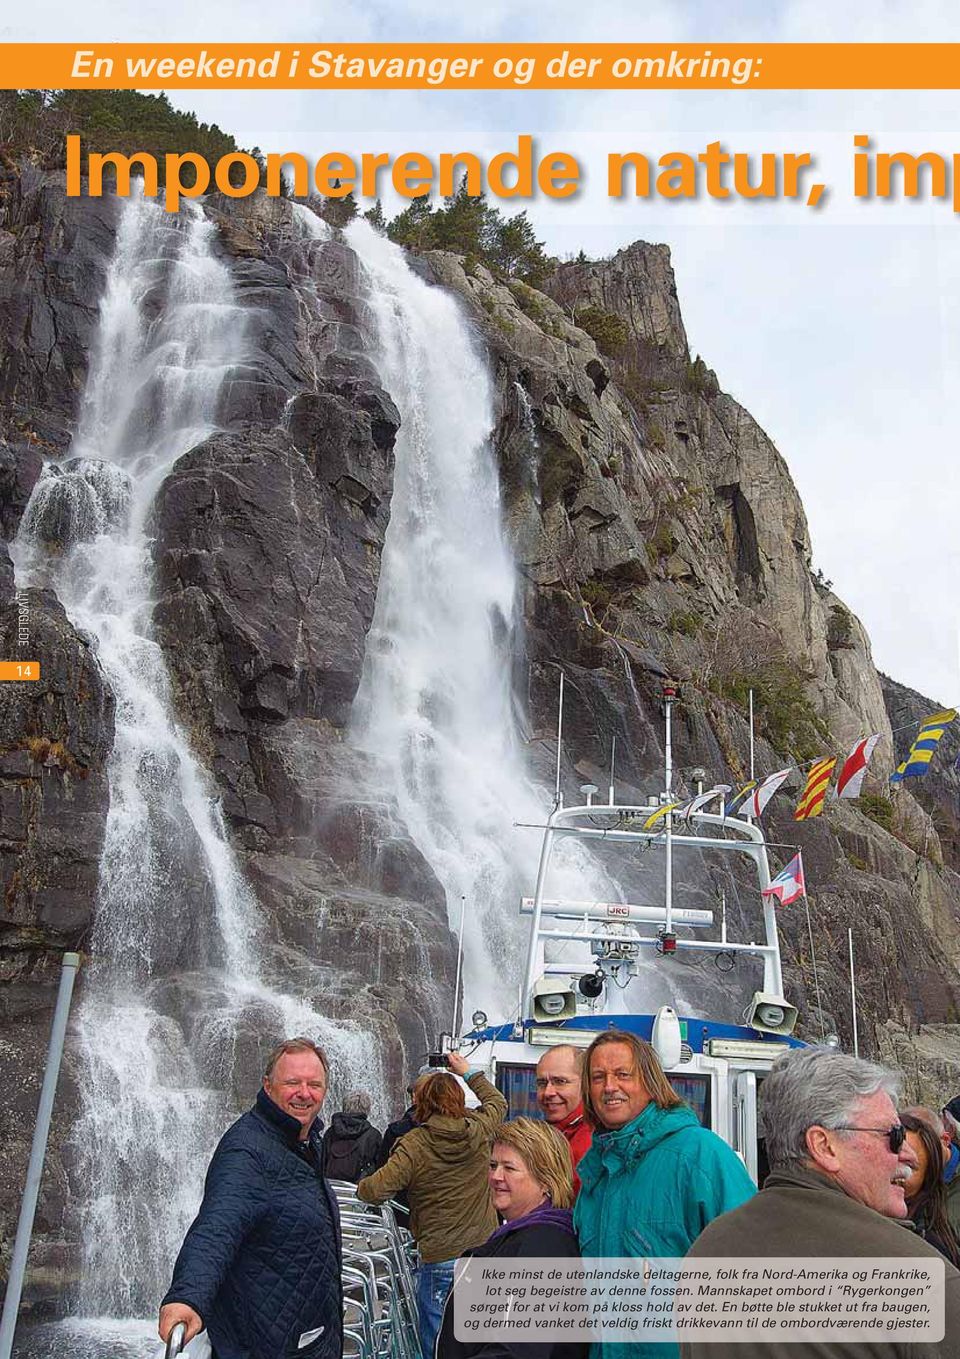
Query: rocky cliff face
x,y
657,533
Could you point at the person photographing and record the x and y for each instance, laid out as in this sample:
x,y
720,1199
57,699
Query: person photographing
x,y
442,1164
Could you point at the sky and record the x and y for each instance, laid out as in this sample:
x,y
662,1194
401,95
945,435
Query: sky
x,y
838,329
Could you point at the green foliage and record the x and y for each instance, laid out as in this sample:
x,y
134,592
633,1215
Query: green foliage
x,y
376,217
608,331
839,628
530,302
106,120
468,225
782,711
855,861
414,226
338,212
699,379
820,582
687,624
597,593
878,808
662,543
656,435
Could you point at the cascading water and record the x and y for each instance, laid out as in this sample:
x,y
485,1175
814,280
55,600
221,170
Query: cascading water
x,y
533,441
176,982
435,702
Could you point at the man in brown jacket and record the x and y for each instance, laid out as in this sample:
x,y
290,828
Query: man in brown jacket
x,y
442,1164
837,1167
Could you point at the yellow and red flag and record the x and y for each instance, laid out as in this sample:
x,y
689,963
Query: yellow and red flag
x,y
815,790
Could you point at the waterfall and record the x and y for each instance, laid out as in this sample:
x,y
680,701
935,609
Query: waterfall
x,y
176,992
529,426
435,704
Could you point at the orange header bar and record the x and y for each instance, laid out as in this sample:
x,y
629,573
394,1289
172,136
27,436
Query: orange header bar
x,y
481,66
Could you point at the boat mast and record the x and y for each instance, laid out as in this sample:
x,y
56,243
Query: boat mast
x,y
558,795
669,698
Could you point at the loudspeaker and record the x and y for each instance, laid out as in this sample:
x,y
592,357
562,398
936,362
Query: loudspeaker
x,y
554,998
770,1014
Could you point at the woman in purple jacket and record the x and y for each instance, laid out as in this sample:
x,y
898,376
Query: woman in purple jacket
x,y
531,1185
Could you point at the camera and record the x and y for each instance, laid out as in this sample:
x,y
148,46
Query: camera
x,y
438,1058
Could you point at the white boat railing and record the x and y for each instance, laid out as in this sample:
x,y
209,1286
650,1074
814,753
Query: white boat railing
x,y
626,824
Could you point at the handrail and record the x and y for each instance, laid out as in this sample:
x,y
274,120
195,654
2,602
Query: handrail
x,y
176,1340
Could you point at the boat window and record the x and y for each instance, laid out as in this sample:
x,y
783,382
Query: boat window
x,y
518,1085
696,1091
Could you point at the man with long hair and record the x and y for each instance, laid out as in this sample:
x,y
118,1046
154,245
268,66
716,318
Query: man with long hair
x,y
653,1177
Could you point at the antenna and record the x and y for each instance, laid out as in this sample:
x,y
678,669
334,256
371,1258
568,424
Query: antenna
x,y
752,771
613,765
670,694
456,984
558,796
853,994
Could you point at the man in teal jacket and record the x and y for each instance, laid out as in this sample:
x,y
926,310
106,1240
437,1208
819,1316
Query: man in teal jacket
x,y
653,1177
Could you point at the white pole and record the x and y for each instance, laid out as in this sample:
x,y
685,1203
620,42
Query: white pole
x,y
456,984
668,780
28,1205
853,995
613,762
558,797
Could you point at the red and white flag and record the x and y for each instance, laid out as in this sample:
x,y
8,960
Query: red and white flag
x,y
760,796
789,883
855,766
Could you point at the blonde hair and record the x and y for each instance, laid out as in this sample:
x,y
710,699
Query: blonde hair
x,y
295,1045
545,1154
647,1067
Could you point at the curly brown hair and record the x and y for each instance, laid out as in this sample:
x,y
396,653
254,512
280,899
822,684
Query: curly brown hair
x,y
438,1093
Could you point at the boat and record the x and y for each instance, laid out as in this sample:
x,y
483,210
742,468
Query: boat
x,y
716,1067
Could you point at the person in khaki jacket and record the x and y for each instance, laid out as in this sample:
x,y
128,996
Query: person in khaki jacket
x,y
442,1164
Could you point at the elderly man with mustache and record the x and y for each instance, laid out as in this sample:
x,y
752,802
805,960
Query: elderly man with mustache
x,y
838,1163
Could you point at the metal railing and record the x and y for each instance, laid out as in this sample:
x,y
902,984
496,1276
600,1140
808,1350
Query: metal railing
x,y
175,1340
377,1276
379,1296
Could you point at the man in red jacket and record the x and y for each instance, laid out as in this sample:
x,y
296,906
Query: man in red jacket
x,y
559,1096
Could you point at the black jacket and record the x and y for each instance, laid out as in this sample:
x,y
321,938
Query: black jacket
x,y
351,1147
535,1240
391,1137
261,1262
394,1132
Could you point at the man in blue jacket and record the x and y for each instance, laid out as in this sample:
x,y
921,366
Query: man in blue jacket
x,y
653,1177
260,1266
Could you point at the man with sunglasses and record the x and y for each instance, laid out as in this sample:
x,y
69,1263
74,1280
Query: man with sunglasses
x,y
838,1162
